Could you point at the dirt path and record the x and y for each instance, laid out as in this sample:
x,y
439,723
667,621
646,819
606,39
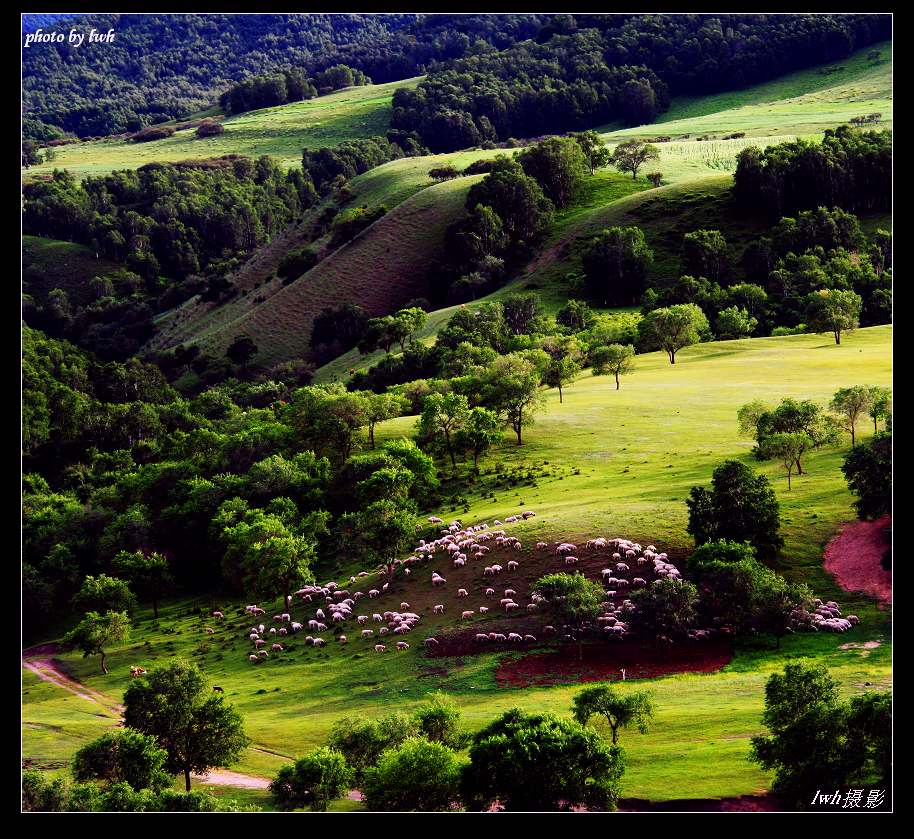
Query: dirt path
x,y
227,778
854,557
38,662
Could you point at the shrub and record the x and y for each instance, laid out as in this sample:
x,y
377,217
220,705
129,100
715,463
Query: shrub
x,y
313,780
416,776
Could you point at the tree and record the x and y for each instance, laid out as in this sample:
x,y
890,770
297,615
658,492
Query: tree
x,y
615,359
734,322
382,532
565,358
615,266
740,506
149,575
558,165
541,762
362,741
788,448
867,469
576,315
242,350
523,312
380,407
443,415
816,742
123,756
437,720
443,173
194,725
417,775
104,594
631,155
850,403
573,601
510,386
518,200
880,406
95,632
664,609
673,328
656,178
833,310
480,431
619,711
595,151
705,254
313,780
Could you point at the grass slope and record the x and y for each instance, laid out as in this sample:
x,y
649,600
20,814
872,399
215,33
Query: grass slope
x,y
49,263
380,270
281,132
609,463
805,102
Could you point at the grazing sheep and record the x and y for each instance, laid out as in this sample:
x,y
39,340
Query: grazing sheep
x,y
483,610
462,592
529,638
259,643
342,639
276,648
367,633
510,607
481,636
380,648
218,615
263,654
318,642
253,658
513,636
373,593
209,630
404,605
383,630
377,618
467,614
439,609
490,592
430,642
510,592
512,565
571,560
402,645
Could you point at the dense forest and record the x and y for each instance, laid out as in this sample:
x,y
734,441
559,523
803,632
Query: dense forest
x,y
532,60
616,69
163,67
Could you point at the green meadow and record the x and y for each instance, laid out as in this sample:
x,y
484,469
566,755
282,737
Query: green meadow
x,y
605,462
281,132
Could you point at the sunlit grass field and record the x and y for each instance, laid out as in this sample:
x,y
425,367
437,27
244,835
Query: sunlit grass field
x,y
616,463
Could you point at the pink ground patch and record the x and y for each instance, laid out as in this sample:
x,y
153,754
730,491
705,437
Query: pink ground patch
x,y
854,557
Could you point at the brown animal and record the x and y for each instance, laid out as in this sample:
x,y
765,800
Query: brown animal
x,y
137,671
217,689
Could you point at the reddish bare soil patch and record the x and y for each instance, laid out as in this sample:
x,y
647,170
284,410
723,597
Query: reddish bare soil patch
x,y
604,662
225,778
854,557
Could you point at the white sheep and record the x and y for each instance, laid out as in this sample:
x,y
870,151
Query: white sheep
x,y
380,648
439,609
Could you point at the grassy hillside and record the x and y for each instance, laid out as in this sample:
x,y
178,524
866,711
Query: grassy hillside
x,y
806,102
605,462
49,263
380,270
281,132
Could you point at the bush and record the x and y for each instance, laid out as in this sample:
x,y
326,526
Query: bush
x,y
296,263
722,550
210,129
147,135
416,776
313,780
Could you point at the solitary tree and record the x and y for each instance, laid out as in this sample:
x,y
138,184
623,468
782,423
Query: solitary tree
x,y
850,403
95,632
194,725
631,155
673,328
616,359
618,711
242,350
833,310
595,150
573,601
788,449
510,386
565,357
380,407
148,574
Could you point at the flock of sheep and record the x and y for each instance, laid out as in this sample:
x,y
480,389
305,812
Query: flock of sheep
x,y
631,567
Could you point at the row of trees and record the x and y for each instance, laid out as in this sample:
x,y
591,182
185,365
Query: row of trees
x,y
289,86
